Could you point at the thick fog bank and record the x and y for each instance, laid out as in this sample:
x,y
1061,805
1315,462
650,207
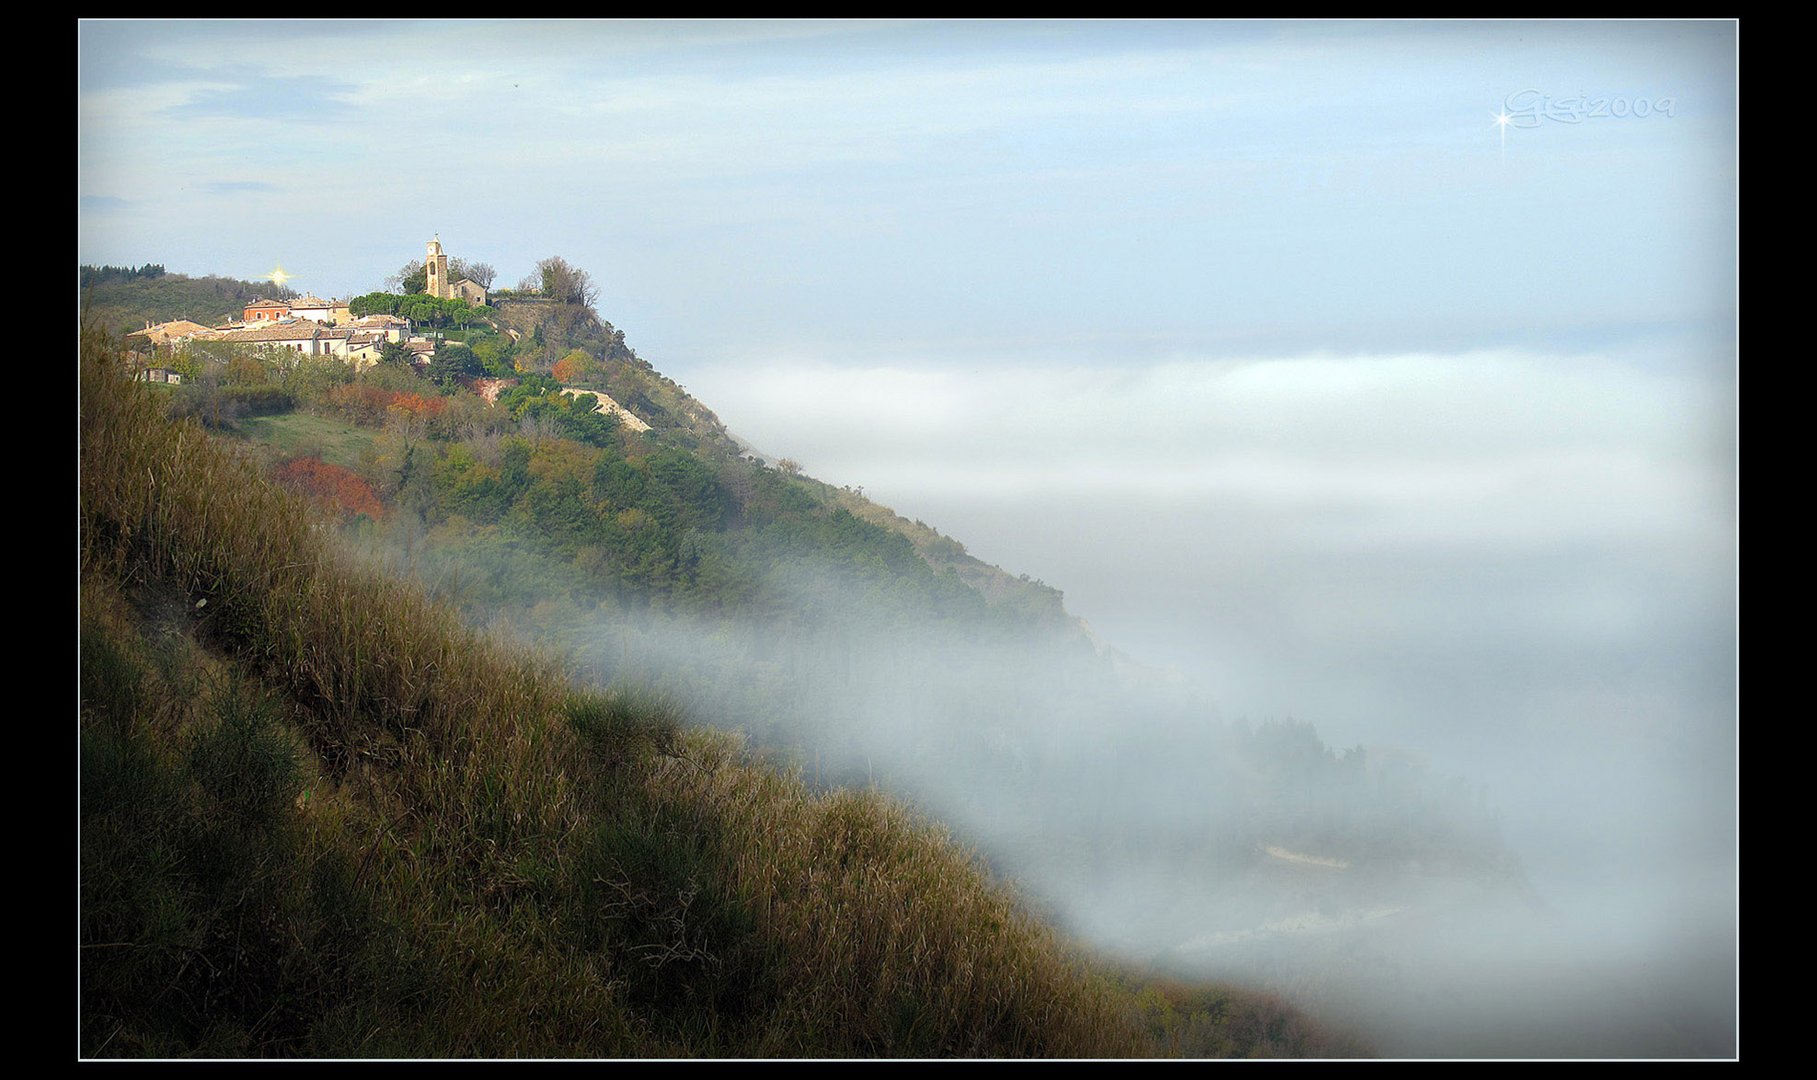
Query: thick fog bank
x,y
1519,568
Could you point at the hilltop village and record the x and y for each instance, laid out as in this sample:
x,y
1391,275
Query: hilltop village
x,y
438,311
441,324
311,326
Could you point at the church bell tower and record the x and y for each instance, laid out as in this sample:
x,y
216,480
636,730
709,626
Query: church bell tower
x,y
437,284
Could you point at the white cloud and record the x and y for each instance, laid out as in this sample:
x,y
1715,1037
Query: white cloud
x,y
1494,447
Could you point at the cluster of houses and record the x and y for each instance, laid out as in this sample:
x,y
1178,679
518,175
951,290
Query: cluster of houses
x,y
307,325
312,326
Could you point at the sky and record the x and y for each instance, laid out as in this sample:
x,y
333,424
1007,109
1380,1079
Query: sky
x,y
945,192
1296,370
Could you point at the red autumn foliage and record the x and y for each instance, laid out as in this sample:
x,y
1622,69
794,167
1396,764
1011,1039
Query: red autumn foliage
x,y
417,405
341,490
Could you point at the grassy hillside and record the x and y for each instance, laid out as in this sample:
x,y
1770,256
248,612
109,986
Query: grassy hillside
x,y
321,817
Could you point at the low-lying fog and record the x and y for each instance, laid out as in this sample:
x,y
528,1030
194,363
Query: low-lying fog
x,y
1518,566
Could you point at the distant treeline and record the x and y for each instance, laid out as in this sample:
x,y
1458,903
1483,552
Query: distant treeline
x,y
122,299
95,275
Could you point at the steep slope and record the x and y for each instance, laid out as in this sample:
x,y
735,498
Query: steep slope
x,y
545,329
322,817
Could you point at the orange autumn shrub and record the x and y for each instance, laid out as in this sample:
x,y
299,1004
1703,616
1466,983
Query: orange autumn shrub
x,y
417,405
341,490
570,367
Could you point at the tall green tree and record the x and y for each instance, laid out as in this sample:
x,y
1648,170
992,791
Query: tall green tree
x,y
392,354
455,362
377,303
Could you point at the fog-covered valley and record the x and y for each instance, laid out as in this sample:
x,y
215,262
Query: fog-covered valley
x,y
1510,575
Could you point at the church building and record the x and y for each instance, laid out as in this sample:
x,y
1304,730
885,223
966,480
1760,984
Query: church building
x,y
438,284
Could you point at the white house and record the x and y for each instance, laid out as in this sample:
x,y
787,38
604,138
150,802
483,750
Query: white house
x,y
362,348
319,310
299,335
393,327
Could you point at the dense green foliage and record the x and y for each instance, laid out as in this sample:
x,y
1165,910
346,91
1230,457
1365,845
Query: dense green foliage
x,y
421,310
97,275
578,417
455,363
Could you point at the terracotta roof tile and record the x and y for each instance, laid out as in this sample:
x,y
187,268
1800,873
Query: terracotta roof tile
x,y
298,331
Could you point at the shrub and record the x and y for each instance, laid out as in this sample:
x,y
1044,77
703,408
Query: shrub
x,y
342,491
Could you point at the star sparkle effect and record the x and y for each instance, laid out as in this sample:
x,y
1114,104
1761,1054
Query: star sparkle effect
x,y
278,275
1502,120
